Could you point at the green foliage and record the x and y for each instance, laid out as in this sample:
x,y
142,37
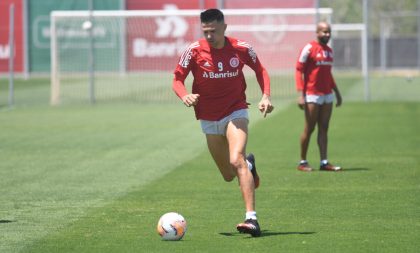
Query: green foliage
x,y
351,11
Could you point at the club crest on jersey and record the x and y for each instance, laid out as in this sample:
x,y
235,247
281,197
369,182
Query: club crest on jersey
x,y
234,62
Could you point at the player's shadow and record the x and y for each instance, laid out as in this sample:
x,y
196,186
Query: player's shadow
x,y
265,233
6,221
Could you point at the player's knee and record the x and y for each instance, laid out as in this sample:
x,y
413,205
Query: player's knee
x,y
229,178
236,161
239,166
323,127
309,129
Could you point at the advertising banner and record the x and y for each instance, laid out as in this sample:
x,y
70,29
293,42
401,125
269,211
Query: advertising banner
x,y
39,26
155,43
5,50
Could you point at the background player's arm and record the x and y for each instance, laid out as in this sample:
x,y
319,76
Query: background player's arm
x,y
299,74
337,96
299,80
337,93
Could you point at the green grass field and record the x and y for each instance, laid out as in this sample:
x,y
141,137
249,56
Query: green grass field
x,y
83,178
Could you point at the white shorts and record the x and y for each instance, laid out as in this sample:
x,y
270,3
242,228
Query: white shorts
x,y
219,127
320,99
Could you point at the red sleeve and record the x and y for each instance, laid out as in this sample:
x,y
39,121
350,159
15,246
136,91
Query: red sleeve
x,y
300,67
178,86
261,73
299,80
182,70
263,80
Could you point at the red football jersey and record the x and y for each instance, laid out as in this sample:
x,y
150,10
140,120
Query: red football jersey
x,y
218,77
315,63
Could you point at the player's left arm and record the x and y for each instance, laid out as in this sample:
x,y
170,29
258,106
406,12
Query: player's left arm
x,y
337,94
265,106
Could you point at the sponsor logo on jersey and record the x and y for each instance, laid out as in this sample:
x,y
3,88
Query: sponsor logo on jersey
x,y
226,74
327,54
324,54
325,58
234,62
206,64
319,63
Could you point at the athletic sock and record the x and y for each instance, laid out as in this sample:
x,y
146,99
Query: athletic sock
x,y
251,215
249,165
303,161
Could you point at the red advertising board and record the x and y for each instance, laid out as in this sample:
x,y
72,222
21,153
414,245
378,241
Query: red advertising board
x,y
251,4
159,46
5,51
155,43
160,4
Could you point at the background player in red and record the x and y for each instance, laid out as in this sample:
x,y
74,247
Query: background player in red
x,y
315,84
219,101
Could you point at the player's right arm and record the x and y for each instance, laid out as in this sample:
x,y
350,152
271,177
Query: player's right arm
x,y
179,88
180,74
299,86
299,75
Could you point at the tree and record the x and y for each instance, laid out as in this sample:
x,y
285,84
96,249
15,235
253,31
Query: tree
x,y
351,11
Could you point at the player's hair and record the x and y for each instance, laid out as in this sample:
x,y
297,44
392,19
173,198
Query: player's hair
x,y
211,15
322,23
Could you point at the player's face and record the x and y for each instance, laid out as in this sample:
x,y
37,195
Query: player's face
x,y
214,33
324,34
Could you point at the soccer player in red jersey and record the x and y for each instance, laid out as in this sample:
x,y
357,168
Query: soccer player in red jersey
x,y
315,84
219,101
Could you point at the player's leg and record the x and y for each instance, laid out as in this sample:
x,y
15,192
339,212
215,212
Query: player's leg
x,y
237,135
325,112
311,118
219,150
311,111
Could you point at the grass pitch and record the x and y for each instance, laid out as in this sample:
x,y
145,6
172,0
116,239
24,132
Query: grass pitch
x,y
97,179
94,183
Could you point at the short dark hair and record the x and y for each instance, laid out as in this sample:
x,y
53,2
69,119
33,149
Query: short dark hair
x,y
211,15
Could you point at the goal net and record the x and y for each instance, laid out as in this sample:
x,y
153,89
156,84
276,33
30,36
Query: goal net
x,y
130,55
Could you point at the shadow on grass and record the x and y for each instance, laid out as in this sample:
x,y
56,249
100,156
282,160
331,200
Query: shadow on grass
x,y
265,233
6,221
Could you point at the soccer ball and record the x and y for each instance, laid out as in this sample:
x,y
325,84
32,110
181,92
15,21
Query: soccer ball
x,y
87,25
172,226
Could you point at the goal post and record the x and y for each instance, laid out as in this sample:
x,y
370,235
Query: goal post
x,y
135,52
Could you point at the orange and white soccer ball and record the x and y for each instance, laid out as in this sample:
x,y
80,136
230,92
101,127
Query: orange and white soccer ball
x,y
172,226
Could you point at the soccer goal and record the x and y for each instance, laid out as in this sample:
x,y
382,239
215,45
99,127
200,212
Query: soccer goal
x,y
130,55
